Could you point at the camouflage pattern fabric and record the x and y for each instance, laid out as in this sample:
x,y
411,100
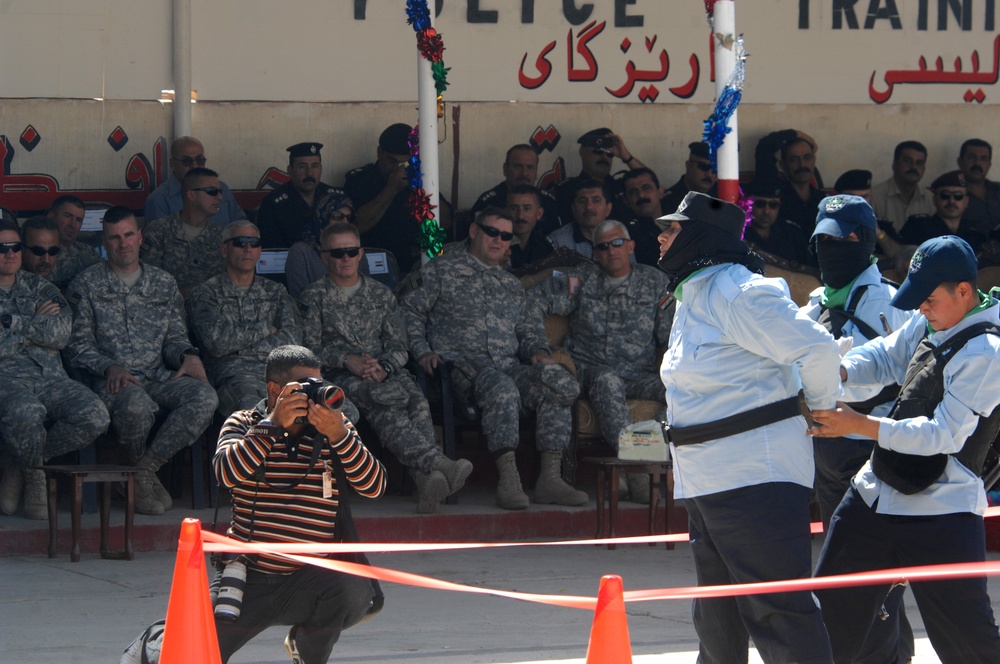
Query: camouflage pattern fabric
x,y
190,262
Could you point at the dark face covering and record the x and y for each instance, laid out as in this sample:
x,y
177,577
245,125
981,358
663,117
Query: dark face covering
x,y
699,245
840,263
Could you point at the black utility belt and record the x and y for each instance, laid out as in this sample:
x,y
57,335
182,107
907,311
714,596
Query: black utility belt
x,y
734,424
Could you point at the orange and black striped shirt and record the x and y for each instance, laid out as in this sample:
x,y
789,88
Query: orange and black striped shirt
x,y
271,510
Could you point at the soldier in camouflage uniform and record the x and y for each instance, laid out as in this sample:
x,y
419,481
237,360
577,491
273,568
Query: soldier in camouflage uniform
x,y
470,312
619,322
186,244
75,257
352,323
34,387
129,334
41,250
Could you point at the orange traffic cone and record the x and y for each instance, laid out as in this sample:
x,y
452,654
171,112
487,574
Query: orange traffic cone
x,y
189,634
609,643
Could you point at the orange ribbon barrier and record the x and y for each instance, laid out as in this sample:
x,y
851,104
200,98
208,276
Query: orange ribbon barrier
x,y
292,551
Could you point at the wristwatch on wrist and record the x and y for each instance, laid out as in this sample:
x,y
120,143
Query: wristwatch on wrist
x,y
190,351
6,320
386,367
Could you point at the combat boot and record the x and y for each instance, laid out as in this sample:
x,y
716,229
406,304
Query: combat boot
x,y
10,486
456,472
152,463
36,499
432,488
638,487
551,488
510,495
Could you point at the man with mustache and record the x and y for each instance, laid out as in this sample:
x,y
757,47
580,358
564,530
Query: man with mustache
x,y
591,205
520,168
598,149
285,211
524,204
951,199
899,198
698,176
768,231
801,184
974,161
643,195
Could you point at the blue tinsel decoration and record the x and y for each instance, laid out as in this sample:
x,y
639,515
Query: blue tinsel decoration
x,y
418,15
716,126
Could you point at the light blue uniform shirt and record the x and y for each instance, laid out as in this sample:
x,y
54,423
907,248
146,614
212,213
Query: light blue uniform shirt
x,y
875,301
972,388
738,342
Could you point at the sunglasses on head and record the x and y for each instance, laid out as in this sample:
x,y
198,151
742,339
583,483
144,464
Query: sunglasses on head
x,y
604,246
244,241
948,195
6,247
211,191
344,251
191,161
704,166
496,232
41,251
773,205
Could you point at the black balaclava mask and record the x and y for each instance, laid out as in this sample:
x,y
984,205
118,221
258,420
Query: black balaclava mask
x,y
840,262
699,245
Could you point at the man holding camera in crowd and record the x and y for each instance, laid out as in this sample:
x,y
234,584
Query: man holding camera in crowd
x,y
297,450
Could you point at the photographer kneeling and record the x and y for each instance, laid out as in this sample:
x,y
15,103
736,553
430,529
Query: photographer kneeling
x,y
288,463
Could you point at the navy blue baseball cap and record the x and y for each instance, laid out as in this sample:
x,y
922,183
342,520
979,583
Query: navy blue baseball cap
x,y
940,260
841,215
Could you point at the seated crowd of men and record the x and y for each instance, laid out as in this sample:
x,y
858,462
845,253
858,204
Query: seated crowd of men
x,y
174,324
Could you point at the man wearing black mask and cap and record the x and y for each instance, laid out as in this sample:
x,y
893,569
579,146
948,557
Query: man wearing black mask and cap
x,y
284,212
743,463
854,302
381,190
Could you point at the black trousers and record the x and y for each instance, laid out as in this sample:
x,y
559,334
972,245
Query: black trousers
x,y
746,535
956,612
318,603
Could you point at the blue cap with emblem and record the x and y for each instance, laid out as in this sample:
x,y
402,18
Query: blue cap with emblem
x,y
940,260
841,215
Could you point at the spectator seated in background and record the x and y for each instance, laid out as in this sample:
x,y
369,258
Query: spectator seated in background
x,y
591,206
304,264
186,153
237,320
525,208
520,169
44,414
129,336
858,182
900,197
801,186
470,312
698,176
286,211
974,160
353,325
768,231
186,244
951,199
381,190
598,150
41,249
643,196
619,323
75,256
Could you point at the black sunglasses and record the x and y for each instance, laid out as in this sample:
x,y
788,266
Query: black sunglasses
x,y
211,191
496,232
244,241
41,251
191,161
774,205
337,215
604,246
344,251
704,166
6,247
948,195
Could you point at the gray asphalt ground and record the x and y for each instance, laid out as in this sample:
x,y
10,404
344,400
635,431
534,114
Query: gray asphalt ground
x,y
58,611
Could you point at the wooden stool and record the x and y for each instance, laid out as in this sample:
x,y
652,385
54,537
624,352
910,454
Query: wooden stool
x,y
106,475
654,469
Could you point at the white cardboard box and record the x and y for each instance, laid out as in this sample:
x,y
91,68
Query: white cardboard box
x,y
643,441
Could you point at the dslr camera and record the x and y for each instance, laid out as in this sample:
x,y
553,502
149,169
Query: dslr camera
x,y
320,392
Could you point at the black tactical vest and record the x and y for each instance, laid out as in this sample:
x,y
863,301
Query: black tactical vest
x,y
922,391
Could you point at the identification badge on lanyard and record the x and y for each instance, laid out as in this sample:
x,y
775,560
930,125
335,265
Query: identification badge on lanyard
x,y
327,480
